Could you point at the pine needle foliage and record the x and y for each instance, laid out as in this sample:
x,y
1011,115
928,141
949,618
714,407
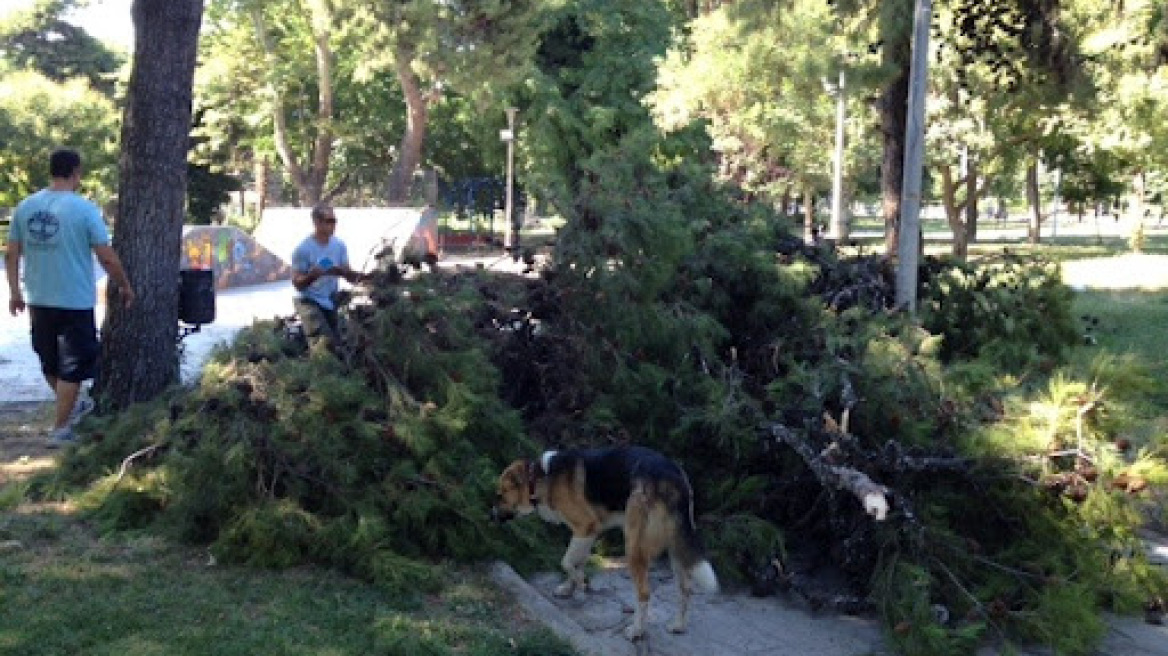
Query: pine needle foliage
x,y
382,466
1011,309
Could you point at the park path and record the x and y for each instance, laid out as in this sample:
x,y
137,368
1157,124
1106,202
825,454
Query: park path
x,y
737,624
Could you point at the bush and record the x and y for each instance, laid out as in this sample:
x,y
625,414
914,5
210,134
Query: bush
x,y
1009,309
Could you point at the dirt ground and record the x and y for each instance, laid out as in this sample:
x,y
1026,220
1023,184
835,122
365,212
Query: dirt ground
x,y
23,440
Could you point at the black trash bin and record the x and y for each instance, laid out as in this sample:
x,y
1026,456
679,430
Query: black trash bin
x,y
196,296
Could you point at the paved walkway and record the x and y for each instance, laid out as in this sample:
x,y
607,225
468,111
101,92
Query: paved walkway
x,y
739,624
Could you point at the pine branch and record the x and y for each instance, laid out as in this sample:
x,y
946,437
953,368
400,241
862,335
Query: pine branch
x,y
871,494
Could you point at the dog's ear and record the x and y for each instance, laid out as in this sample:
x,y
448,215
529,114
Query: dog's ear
x,y
520,472
515,474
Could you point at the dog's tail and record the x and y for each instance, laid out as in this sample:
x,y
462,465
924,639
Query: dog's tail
x,y
703,578
688,549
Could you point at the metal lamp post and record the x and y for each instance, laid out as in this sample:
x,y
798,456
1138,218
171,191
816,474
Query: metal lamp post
x,y
510,233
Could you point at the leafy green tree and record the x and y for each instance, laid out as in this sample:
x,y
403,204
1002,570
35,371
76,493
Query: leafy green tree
x,y
208,181
1024,42
470,47
755,73
270,74
37,115
1128,53
40,39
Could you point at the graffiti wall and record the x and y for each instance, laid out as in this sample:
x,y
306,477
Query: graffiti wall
x,y
236,258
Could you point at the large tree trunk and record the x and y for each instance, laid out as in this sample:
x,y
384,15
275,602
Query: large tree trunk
x,y
322,149
894,117
810,233
960,245
1035,202
844,229
139,349
893,123
261,184
410,150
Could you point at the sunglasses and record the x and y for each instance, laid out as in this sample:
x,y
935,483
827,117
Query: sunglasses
x,y
328,219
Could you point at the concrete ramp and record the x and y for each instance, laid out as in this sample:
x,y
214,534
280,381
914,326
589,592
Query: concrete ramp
x,y
237,259
366,231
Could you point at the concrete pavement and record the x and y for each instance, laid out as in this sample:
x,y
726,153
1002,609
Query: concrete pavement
x,y
737,624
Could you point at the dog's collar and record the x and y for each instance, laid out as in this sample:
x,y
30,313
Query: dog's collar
x,y
533,471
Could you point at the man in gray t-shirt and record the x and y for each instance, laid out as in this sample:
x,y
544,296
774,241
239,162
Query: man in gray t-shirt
x,y
317,263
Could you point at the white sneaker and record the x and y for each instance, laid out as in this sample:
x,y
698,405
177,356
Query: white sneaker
x,y
83,407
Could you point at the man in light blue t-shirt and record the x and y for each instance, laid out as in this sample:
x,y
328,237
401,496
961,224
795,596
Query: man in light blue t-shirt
x,y
317,264
57,233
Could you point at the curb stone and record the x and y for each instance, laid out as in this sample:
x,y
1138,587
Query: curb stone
x,y
548,614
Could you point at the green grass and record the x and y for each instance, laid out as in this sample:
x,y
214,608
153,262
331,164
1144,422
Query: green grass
x,y
1128,322
66,591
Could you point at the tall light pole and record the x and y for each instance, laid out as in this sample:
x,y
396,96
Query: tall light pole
x,y
909,237
510,234
837,230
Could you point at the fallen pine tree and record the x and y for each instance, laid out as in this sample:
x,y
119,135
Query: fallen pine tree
x,y
858,457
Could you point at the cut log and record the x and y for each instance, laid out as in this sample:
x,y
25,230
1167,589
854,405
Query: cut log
x,y
871,494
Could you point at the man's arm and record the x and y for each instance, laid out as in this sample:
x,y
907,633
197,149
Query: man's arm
x,y
113,266
12,267
301,281
344,270
352,276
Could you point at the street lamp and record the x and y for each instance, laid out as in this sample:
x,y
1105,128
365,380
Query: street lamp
x,y
510,224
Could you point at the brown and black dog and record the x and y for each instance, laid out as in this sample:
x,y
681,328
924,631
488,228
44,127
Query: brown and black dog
x,y
592,490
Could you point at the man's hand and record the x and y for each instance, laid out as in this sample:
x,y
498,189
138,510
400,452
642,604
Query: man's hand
x,y
128,296
16,304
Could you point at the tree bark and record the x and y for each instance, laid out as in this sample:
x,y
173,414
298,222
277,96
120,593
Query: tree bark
x,y
410,150
261,183
1035,202
972,193
809,231
953,210
872,495
893,123
139,345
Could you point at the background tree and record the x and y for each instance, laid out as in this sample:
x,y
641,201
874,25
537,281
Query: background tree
x,y
57,86
38,115
139,344
270,76
208,181
40,39
755,73
470,47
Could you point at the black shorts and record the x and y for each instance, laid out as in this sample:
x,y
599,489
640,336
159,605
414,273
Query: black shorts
x,y
65,341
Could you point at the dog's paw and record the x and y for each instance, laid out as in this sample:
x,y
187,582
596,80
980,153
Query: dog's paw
x,y
565,589
635,632
677,626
